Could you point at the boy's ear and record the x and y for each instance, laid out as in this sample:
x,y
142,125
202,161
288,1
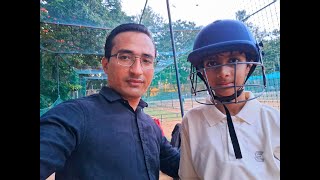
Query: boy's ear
x,y
202,73
248,68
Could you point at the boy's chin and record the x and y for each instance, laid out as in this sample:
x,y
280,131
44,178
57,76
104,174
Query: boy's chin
x,y
225,94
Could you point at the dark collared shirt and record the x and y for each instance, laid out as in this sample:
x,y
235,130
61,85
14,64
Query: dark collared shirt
x,y
102,137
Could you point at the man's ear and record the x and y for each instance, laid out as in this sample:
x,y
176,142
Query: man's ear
x,y
104,63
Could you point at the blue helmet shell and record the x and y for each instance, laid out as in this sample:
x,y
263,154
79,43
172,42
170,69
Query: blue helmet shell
x,y
221,36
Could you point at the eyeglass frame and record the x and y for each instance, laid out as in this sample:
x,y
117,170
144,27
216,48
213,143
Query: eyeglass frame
x,y
134,60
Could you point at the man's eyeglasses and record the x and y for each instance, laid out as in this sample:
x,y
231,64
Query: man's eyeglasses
x,y
128,59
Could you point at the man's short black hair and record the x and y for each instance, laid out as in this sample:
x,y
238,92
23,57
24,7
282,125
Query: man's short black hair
x,y
127,27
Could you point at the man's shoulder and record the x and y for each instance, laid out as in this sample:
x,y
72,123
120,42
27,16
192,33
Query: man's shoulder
x,y
81,102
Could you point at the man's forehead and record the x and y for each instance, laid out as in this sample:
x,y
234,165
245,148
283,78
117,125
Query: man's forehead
x,y
135,38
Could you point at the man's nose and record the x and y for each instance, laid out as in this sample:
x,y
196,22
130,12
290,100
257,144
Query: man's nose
x,y
137,65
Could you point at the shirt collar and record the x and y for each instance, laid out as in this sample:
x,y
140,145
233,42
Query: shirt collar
x,y
112,95
212,113
251,110
249,113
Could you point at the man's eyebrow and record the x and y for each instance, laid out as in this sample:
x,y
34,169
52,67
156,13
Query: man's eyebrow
x,y
131,52
147,55
125,51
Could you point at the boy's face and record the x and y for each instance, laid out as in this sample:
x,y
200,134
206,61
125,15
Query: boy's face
x,y
223,76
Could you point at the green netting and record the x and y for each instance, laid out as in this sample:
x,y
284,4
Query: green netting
x,y
73,32
58,101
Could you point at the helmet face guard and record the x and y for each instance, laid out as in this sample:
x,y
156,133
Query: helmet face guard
x,y
225,36
200,86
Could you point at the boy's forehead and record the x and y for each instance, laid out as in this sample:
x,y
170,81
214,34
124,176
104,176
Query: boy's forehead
x,y
227,53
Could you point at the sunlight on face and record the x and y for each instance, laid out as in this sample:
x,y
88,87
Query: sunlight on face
x,y
130,81
226,70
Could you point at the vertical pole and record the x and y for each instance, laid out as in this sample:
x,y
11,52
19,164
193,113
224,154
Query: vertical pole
x,y
174,58
58,76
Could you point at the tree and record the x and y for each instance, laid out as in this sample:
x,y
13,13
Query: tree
x,y
72,34
270,40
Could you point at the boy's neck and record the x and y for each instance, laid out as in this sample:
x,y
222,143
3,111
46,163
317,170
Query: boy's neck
x,y
234,108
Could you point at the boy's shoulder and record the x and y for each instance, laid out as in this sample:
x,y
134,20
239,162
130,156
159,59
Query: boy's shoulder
x,y
271,112
268,107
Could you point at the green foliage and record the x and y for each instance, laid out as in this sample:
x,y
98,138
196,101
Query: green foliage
x,y
66,47
45,101
74,87
271,43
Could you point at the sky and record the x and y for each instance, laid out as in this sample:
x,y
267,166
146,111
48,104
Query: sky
x,y
203,12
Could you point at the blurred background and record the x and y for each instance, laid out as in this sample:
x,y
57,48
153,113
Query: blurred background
x,y
73,32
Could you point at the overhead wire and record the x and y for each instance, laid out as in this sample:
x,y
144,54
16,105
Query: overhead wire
x,y
145,5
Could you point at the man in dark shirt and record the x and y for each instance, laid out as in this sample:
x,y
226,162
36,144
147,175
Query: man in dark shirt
x,y
108,135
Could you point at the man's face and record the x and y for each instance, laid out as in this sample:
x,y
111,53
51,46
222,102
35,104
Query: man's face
x,y
221,75
131,82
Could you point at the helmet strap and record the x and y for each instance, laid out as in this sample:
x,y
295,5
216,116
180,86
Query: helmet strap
x,y
228,98
233,135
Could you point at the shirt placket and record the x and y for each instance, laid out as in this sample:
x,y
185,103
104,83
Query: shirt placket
x,y
144,140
